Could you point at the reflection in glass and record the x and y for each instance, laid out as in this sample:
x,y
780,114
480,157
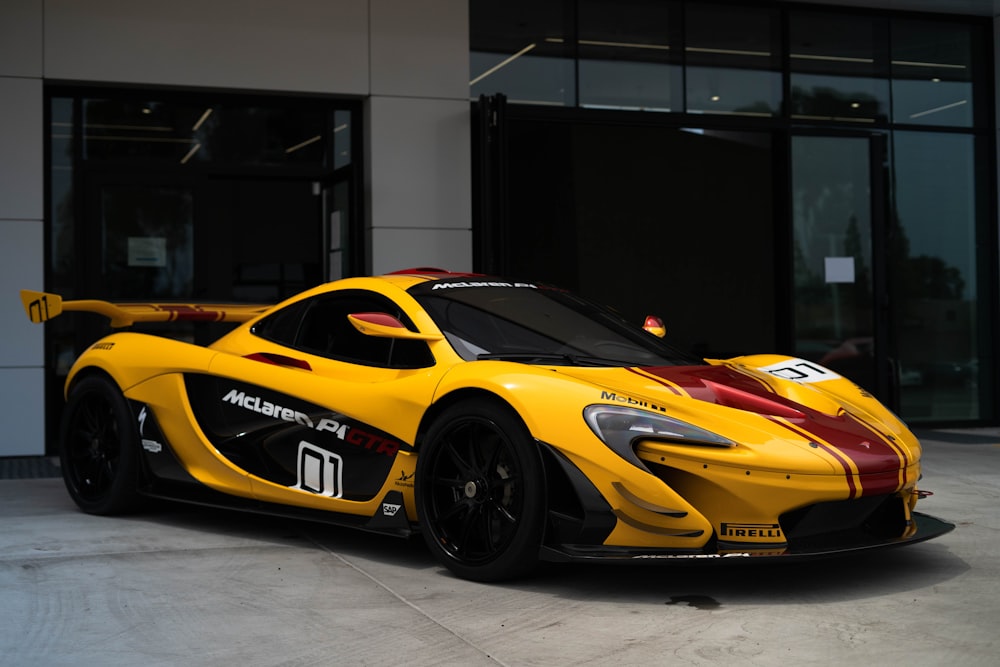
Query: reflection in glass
x,y
336,207
831,208
660,221
522,50
341,139
839,67
61,195
148,234
180,133
63,276
733,60
628,58
932,72
933,276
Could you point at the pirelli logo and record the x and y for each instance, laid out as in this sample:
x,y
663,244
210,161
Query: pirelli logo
x,y
751,531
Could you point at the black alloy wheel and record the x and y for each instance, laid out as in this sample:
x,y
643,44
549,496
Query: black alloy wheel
x,y
481,493
98,447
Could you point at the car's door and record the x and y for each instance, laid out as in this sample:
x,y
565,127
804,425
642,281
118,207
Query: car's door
x,y
320,414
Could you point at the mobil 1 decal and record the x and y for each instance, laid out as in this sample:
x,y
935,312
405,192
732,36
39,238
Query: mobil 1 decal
x,y
292,442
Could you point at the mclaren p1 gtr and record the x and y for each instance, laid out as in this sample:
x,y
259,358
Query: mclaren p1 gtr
x,y
507,422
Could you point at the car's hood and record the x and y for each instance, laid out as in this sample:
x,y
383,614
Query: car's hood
x,y
756,408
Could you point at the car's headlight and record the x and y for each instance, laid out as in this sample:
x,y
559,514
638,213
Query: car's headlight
x,y
618,427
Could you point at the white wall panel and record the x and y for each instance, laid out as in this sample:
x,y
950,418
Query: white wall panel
x,y
296,45
402,248
21,412
420,162
21,38
21,150
420,48
21,267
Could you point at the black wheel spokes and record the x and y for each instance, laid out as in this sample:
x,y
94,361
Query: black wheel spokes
x,y
463,462
470,544
93,456
477,492
502,513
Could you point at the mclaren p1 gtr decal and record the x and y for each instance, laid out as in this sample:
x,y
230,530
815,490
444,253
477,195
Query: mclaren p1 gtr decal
x,y
355,436
291,442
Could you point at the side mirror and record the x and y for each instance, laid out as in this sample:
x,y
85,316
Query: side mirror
x,y
654,325
384,325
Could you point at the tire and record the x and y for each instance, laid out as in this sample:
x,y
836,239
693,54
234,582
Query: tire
x,y
99,448
480,491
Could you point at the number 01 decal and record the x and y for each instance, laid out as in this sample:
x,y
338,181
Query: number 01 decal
x,y
800,370
320,472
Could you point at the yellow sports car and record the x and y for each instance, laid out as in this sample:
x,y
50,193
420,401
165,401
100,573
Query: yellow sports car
x,y
505,421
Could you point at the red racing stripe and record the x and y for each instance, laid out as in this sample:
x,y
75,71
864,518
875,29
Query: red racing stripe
x,y
654,378
846,438
851,485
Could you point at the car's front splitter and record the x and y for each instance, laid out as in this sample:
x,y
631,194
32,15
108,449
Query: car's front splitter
x,y
926,527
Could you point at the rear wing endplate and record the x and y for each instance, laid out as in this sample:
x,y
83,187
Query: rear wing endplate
x,y
43,306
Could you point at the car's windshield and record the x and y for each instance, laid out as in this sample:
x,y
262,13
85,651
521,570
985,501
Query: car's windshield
x,y
537,324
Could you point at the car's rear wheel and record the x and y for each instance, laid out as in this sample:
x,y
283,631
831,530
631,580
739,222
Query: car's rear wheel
x,y
480,492
98,448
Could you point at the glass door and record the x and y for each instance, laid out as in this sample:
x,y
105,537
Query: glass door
x,y
140,245
837,227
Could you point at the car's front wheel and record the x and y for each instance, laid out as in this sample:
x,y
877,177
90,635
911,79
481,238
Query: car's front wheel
x,y
98,447
480,492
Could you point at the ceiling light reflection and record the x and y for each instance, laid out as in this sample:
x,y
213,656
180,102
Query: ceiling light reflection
x,y
190,153
500,65
307,142
727,52
917,63
837,59
945,107
201,121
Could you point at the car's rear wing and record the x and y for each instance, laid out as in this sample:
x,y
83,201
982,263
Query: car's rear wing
x,y
42,306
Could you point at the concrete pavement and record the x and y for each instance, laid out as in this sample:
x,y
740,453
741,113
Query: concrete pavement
x,y
191,586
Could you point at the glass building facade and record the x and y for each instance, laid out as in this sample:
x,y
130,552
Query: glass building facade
x,y
193,196
775,177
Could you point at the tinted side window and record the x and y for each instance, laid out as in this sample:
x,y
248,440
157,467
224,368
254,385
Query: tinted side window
x,y
321,327
283,326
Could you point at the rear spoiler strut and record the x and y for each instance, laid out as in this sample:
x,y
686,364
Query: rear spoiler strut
x,y
43,306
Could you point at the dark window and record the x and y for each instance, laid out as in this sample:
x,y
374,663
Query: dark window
x,y
824,174
524,50
934,67
283,326
184,130
840,67
320,326
733,60
204,196
629,56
